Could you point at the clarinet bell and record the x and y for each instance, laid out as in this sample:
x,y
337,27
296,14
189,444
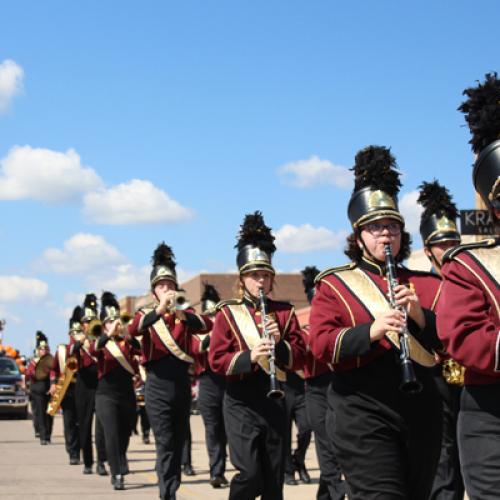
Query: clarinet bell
x,y
409,384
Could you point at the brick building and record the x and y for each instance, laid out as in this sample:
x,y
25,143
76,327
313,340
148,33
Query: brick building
x,y
288,287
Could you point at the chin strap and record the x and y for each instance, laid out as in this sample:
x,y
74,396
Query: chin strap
x,y
434,261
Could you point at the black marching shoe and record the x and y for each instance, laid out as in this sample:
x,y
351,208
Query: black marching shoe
x,y
44,442
290,479
101,469
188,470
303,474
145,439
217,481
74,461
87,470
117,482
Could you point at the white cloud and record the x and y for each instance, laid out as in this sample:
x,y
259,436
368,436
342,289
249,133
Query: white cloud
x,y
135,202
82,253
17,288
411,211
306,238
11,82
315,171
121,278
44,175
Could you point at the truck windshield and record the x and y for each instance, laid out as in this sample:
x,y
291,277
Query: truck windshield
x,y
8,367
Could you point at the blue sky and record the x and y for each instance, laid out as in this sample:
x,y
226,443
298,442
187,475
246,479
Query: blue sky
x,y
123,124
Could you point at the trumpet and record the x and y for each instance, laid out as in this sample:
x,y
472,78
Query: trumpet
x,y
275,392
180,302
94,330
409,383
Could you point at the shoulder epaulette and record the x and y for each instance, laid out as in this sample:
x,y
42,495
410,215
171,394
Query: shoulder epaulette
x,y
452,252
229,302
333,270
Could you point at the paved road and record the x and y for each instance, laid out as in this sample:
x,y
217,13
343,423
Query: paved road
x,y
28,470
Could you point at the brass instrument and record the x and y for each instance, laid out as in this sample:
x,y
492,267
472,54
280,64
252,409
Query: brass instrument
x,y
94,329
180,301
43,367
409,382
453,372
62,385
275,392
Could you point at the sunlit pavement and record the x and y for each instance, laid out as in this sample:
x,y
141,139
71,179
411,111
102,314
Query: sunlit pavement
x,y
28,469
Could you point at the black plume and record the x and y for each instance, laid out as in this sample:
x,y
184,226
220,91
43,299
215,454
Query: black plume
x,y
210,293
77,315
90,302
41,337
374,166
482,111
254,232
108,299
163,256
437,200
309,273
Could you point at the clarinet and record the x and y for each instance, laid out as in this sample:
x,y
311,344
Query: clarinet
x,y
275,392
409,383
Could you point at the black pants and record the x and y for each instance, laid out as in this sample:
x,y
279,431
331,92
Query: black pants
x,y
168,400
295,405
479,441
41,400
448,483
256,433
210,402
115,410
141,415
387,442
70,419
331,484
86,384
186,447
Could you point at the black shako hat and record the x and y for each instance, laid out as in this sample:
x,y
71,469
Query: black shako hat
x,y
41,339
255,245
89,308
376,187
110,309
482,113
163,265
75,325
309,274
438,220
209,299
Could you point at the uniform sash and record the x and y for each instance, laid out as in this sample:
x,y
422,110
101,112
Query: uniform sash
x,y
376,303
169,342
112,347
250,333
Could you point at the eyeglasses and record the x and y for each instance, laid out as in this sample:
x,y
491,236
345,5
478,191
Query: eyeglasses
x,y
376,229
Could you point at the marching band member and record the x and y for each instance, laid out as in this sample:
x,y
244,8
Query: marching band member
x,y
86,385
439,233
469,306
241,348
210,398
115,396
68,404
167,347
38,374
387,440
331,485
